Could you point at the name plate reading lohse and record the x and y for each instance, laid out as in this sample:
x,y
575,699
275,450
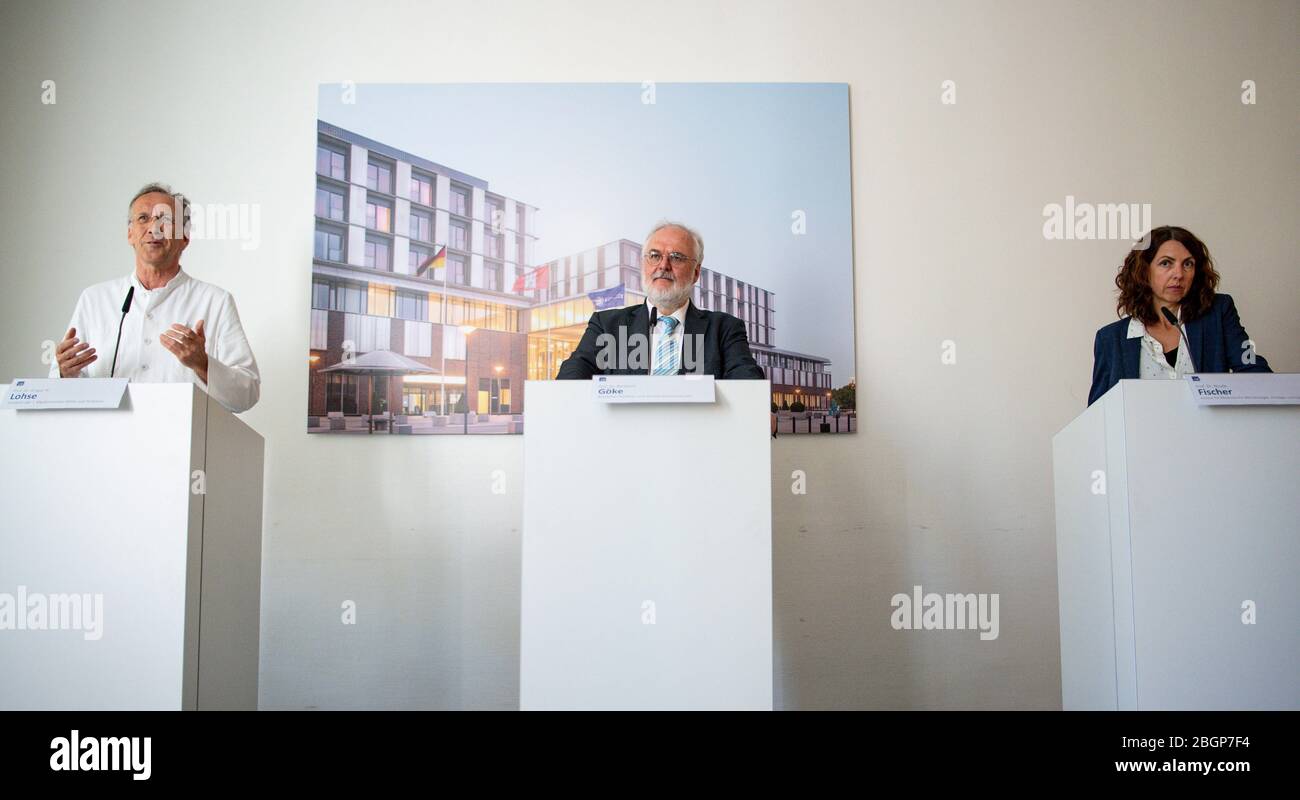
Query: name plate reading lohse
x,y
30,393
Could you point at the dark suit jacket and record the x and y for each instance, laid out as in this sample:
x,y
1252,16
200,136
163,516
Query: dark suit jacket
x,y
1217,345
726,347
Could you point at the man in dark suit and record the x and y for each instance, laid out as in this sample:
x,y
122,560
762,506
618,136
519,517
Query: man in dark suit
x,y
685,339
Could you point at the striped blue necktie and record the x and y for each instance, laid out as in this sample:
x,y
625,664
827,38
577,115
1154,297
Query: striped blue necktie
x,y
666,354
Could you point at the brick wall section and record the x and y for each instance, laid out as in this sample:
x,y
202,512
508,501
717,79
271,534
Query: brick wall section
x,y
488,349
330,356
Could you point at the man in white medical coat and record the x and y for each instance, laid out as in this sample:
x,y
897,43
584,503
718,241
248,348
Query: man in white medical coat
x,y
176,329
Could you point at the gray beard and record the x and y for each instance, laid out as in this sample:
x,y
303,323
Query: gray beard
x,y
668,298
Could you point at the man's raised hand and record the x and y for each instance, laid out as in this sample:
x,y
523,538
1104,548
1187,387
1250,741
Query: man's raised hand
x,y
73,355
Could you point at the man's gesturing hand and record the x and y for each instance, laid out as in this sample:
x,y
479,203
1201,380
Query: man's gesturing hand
x,y
73,354
188,347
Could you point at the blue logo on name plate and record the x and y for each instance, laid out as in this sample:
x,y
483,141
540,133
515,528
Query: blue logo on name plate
x,y
19,383
600,379
1196,378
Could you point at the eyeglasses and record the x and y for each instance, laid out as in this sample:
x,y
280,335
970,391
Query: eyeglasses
x,y
140,220
654,258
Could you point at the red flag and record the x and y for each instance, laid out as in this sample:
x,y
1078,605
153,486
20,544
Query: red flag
x,y
534,279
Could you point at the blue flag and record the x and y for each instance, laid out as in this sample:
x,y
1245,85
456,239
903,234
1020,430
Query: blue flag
x,y
607,298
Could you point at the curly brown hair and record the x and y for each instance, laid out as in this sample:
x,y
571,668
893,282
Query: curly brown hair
x,y
1135,288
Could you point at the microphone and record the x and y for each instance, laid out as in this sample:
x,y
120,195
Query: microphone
x,y
654,317
126,306
1172,320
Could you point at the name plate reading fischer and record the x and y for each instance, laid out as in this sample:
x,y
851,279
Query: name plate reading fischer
x,y
1245,389
653,389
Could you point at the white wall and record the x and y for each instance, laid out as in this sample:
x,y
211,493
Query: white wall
x,y
949,483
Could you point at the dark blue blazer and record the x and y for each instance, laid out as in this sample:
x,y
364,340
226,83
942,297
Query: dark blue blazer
x,y
1217,342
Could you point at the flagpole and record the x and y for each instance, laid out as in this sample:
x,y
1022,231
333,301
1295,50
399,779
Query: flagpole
x,y
445,258
550,354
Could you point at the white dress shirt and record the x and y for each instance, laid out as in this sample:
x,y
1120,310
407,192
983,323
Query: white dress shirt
x,y
1153,364
233,379
678,334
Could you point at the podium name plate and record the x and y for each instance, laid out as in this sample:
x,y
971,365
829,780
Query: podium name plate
x,y
28,393
1245,389
653,389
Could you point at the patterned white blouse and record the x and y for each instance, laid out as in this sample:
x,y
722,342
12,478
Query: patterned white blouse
x,y
1154,365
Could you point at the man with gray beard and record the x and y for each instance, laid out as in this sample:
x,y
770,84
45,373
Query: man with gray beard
x,y
685,340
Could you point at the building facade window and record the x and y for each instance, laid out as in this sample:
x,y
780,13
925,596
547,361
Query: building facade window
x,y
561,314
320,294
367,332
330,243
493,246
421,226
493,396
331,161
349,297
421,189
417,398
330,202
460,200
459,235
413,306
457,270
320,325
453,342
379,215
379,176
631,255
380,301
378,253
494,214
492,272
341,393
480,314
417,339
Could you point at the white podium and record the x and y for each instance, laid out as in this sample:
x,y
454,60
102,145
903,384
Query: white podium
x,y
139,532
1197,521
647,551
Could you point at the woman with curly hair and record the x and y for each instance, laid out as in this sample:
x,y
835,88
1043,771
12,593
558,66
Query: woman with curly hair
x,y
1175,272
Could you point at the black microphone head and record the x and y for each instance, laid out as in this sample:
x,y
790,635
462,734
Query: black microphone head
x,y
654,316
126,304
1169,315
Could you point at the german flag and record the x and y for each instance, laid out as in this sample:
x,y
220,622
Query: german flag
x,y
434,262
